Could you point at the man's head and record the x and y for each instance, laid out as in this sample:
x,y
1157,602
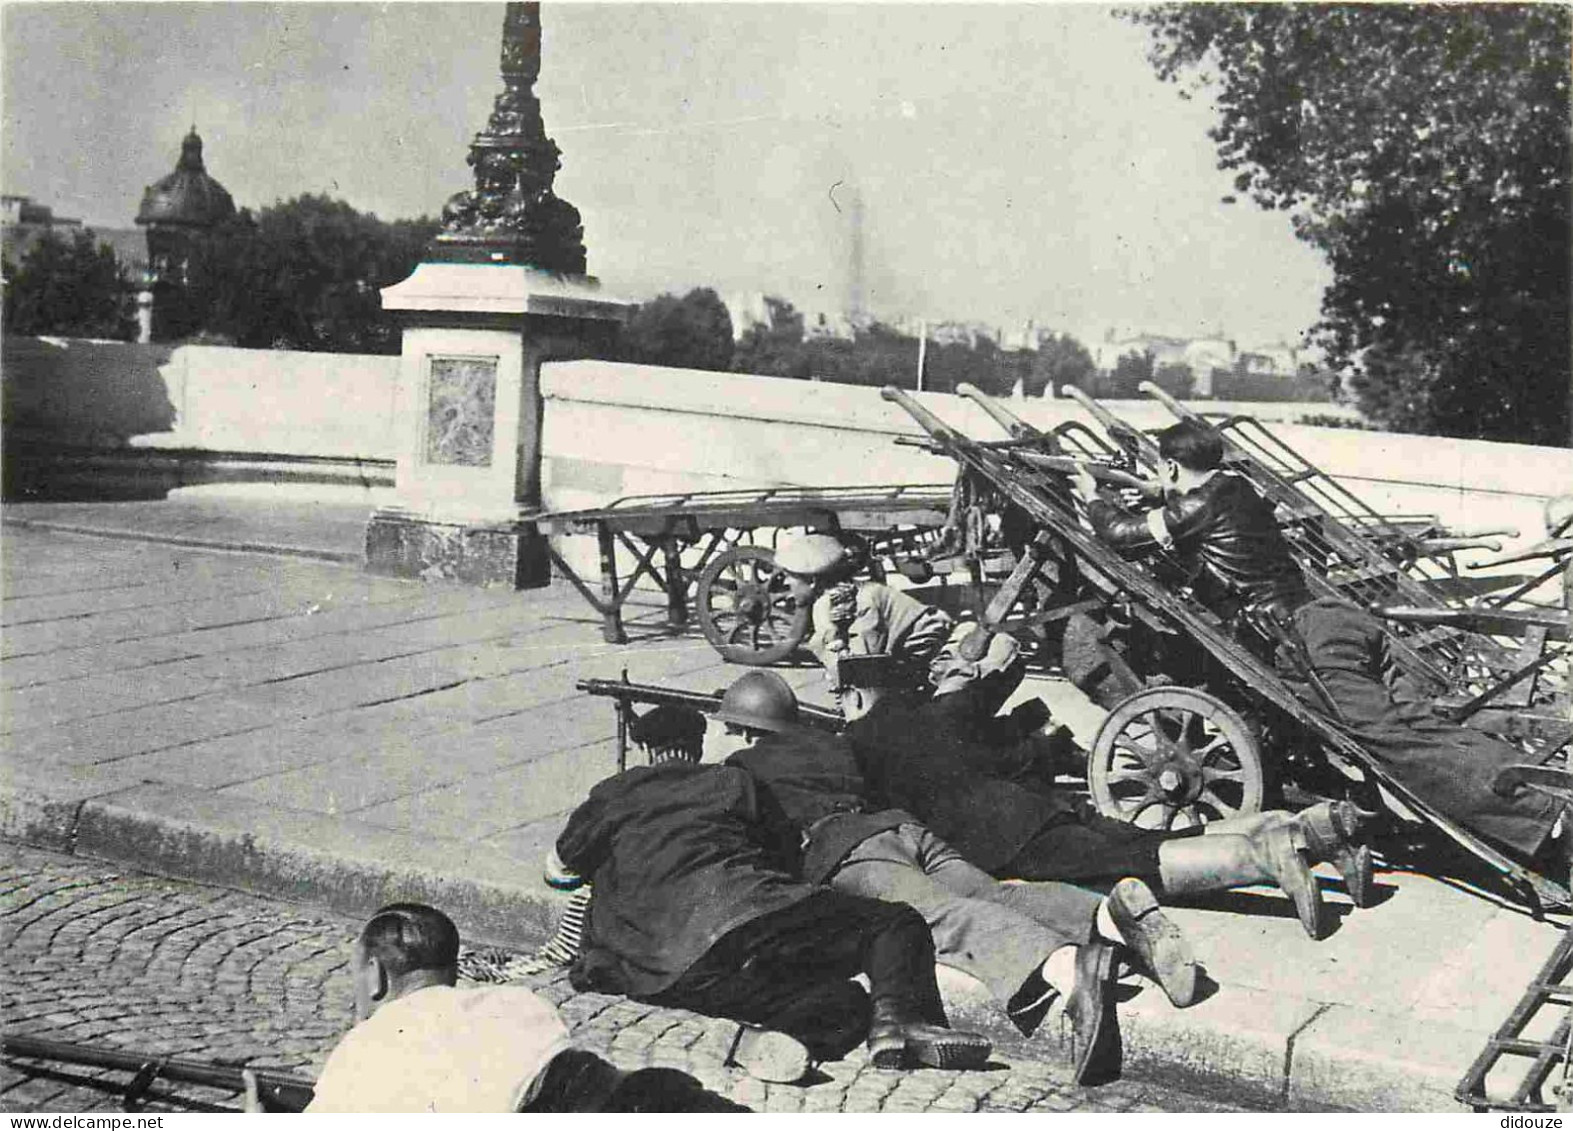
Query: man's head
x,y
758,702
402,948
855,702
977,655
811,563
670,733
1191,452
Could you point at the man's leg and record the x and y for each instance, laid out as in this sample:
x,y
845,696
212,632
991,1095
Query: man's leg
x,y
1129,916
765,971
997,945
1093,847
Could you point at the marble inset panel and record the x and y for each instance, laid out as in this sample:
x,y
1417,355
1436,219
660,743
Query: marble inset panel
x,y
461,410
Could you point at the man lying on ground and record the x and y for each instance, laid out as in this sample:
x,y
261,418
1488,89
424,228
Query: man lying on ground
x,y
994,801
422,1043
1218,523
1025,942
693,909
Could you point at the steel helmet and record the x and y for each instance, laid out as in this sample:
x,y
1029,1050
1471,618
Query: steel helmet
x,y
760,700
812,555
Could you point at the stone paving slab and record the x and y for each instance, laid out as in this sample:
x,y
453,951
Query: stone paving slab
x,y
95,954
244,783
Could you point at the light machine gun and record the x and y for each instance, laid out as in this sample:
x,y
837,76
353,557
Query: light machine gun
x,y
627,694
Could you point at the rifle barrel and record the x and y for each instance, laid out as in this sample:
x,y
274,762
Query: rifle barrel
x,y
283,1089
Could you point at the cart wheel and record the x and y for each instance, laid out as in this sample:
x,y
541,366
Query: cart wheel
x,y
745,609
1172,758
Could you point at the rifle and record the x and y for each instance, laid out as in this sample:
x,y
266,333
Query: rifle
x,y
279,1091
707,703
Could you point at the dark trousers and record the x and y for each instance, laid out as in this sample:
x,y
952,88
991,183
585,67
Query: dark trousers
x,y
581,1081
1448,765
1085,847
790,971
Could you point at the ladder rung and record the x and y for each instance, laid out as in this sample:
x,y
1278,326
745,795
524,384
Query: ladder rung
x,y
1431,637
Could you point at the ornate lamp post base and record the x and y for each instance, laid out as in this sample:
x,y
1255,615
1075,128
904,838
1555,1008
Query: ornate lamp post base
x,y
503,290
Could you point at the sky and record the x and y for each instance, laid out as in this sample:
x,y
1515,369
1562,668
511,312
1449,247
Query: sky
x,y
1014,161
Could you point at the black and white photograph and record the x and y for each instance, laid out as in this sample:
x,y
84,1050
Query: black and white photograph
x,y
810,557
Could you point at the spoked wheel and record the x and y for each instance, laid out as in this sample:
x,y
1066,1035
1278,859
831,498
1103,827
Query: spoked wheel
x,y
1173,758
745,609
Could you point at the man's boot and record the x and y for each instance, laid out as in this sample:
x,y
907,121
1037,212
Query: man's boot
x,y
1216,863
899,1038
1154,941
1331,832
1096,1049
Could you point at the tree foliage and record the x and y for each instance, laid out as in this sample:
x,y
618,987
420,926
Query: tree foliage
x,y
74,287
773,348
1060,360
1424,149
305,275
692,332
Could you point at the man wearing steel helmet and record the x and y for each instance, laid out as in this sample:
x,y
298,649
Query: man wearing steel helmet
x,y
852,618
694,909
1023,941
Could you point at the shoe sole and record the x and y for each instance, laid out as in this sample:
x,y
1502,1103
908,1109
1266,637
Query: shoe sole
x,y
1300,886
951,1052
770,1056
1356,868
1151,935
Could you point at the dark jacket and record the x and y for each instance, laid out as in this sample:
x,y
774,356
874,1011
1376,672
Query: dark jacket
x,y
986,800
1225,529
679,855
815,782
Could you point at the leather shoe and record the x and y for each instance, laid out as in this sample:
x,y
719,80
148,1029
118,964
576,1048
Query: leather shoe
x,y
1156,943
1288,869
1095,1030
898,1040
1332,833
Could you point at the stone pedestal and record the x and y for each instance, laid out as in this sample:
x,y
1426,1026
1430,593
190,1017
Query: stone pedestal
x,y
468,474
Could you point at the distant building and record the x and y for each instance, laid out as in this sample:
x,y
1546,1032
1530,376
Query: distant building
x,y
961,333
838,324
746,310
23,222
179,212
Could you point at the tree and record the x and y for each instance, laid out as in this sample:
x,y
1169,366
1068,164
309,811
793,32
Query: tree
x,y
1175,378
692,332
305,275
73,288
773,348
1424,149
1060,360
1130,370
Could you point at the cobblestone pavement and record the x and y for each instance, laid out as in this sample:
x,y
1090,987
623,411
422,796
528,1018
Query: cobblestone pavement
x,y
94,954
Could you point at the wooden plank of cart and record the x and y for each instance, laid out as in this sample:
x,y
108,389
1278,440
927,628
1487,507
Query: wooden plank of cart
x,y
714,551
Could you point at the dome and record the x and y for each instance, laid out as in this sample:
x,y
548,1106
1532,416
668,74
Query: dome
x,y
188,195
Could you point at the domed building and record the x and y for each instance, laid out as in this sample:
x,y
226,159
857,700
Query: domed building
x,y
180,212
